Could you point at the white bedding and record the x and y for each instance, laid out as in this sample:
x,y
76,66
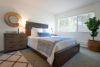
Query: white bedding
x,y
33,43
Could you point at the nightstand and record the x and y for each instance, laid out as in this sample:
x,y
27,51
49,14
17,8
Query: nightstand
x,y
14,41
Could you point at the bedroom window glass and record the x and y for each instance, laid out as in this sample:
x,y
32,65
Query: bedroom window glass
x,y
81,22
75,23
68,24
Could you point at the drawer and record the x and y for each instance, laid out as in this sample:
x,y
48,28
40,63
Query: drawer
x,y
10,40
11,36
9,44
15,39
15,47
9,47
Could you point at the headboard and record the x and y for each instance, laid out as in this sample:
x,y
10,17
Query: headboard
x,y
29,26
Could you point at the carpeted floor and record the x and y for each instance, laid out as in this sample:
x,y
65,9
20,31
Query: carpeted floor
x,y
85,58
34,59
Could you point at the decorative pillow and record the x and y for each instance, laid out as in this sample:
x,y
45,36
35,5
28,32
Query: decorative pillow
x,y
34,32
44,34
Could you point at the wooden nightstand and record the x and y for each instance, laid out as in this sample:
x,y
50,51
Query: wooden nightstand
x,y
15,41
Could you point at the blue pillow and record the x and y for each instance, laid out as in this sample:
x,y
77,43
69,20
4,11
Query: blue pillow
x,y
44,34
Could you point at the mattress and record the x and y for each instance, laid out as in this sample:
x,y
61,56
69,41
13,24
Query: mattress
x,y
33,41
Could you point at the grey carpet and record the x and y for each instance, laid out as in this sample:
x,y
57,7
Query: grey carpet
x,y
34,59
85,58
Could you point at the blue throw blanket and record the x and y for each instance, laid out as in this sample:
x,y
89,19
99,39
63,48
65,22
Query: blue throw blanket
x,y
58,38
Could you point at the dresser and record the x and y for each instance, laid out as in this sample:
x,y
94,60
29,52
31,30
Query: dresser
x,y
14,41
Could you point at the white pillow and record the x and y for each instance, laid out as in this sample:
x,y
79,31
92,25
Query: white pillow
x,y
34,32
42,30
39,30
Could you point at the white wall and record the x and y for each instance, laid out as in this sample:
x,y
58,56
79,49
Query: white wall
x,y
82,37
27,11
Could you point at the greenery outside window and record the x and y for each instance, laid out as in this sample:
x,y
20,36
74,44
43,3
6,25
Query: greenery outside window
x,y
74,23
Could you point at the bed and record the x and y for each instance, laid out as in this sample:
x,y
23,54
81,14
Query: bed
x,y
53,47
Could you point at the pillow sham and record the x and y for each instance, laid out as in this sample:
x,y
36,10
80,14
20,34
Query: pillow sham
x,y
34,32
42,30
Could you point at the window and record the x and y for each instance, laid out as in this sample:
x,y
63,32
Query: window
x,y
75,23
68,24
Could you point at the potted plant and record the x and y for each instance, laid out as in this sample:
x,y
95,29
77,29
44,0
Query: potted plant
x,y
93,25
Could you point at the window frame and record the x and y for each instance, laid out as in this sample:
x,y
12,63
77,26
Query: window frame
x,y
76,21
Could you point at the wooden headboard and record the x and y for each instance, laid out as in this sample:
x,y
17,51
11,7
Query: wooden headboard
x,y
29,26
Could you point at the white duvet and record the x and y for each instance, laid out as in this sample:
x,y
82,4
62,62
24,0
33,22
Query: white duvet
x,y
33,43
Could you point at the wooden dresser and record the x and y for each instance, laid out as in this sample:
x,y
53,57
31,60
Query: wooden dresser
x,y
14,41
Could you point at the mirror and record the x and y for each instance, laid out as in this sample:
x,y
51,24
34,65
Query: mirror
x,y
12,19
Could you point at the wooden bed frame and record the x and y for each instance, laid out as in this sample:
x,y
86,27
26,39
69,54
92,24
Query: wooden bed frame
x,y
61,56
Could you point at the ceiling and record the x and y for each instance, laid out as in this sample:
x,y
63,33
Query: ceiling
x,y
53,6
